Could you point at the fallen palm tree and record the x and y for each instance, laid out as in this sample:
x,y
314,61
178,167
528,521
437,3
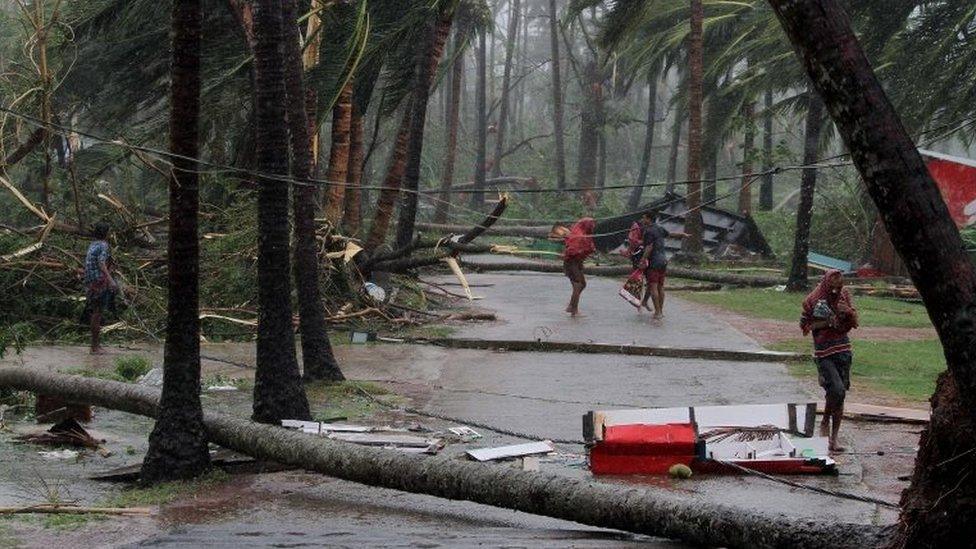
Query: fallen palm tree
x,y
650,512
718,277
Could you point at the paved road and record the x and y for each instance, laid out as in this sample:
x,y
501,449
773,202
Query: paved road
x,y
532,306
542,394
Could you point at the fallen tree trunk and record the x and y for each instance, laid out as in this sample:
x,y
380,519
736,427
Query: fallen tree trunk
x,y
510,230
650,512
454,245
718,277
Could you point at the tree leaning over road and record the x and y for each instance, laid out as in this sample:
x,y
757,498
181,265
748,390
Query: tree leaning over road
x,y
278,391
428,58
939,505
317,357
178,442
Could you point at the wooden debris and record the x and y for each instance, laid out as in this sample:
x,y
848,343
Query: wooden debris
x,y
68,432
22,252
513,451
50,508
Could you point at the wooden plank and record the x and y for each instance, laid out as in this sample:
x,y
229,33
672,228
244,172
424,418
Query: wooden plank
x,y
515,450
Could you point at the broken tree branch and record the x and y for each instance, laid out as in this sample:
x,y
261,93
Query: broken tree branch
x,y
640,510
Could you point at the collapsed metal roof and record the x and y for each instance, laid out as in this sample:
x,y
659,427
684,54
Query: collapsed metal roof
x,y
722,228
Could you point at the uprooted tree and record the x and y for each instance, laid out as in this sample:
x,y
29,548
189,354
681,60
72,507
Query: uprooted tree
x,y
939,505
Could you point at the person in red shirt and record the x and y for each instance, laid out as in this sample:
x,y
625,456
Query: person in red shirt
x,y
579,245
829,314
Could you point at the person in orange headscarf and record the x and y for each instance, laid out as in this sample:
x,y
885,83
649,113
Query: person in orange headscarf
x,y
829,313
579,246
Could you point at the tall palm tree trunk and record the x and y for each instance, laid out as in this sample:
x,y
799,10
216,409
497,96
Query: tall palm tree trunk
x,y
397,165
766,189
453,123
481,114
693,219
710,184
557,97
748,144
339,155
653,75
503,116
673,151
426,69
797,281
278,391
317,357
353,208
396,173
939,505
589,139
178,443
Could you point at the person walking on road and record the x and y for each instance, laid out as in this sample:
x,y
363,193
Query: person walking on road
x,y
579,245
829,313
651,258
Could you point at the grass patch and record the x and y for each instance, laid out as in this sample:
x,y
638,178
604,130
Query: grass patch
x,y
161,494
127,369
345,399
874,311
131,368
905,368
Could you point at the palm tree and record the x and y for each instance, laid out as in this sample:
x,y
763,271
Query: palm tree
x,y
928,241
653,75
557,97
503,116
693,219
339,155
453,124
748,144
318,359
415,29
352,210
766,190
590,127
178,442
278,391
427,61
804,214
481,114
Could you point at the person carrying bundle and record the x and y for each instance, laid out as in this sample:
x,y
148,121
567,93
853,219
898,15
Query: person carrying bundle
x,y
578,246
829,313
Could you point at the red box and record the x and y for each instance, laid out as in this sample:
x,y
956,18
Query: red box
x,y
643,449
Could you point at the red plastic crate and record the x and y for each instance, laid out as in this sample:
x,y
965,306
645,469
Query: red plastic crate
x,y
643,449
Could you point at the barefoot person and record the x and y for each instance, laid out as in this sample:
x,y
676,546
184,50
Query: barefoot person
x,y
579,246
651,257
100,287
829,313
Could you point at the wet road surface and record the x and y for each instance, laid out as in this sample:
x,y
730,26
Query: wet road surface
x,y
540,394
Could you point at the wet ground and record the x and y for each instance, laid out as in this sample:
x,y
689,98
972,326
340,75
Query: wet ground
x,y
538,394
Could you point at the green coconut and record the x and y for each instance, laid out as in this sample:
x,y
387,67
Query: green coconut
x,y
680,470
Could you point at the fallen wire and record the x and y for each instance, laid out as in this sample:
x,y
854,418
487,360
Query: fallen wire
x,y
464,421
824,491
